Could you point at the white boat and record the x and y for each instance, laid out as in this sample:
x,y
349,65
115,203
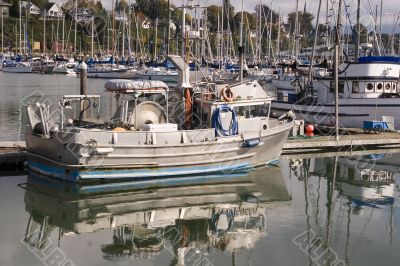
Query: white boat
x,y
110,71
163,74
42,65
16,67
66,68
368,90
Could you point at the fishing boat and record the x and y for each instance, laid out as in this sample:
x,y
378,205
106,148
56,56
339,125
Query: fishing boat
x,y
217,128
368,90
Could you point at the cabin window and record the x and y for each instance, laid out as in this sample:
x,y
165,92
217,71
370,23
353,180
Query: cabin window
x,y
332,87
341,87
355,87
370,86
252,111
394,87
388,86
379,87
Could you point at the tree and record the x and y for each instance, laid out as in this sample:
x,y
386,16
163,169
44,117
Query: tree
x,y
305,22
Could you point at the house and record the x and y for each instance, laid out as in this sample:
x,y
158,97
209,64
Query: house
x,y
31,8
53,10
5,8
82,14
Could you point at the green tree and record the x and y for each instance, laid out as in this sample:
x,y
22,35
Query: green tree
x,y
305,22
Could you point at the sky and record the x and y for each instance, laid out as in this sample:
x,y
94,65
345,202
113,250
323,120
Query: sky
x,y
287,6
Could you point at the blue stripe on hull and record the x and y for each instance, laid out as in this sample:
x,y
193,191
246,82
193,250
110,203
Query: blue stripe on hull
x,y
136,174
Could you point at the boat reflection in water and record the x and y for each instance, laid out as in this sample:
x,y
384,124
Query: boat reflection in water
x,y
366,180
350,202
201,215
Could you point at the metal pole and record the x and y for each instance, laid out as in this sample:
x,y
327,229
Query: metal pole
x,y
337,42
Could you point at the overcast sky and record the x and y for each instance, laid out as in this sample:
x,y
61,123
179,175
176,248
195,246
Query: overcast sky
x,y
287,6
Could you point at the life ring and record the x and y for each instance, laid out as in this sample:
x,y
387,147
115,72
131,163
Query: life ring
x,y
227,94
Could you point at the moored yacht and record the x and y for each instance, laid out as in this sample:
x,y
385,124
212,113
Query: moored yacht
x,y
368,90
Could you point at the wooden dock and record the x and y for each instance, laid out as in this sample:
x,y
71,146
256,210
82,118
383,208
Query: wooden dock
x,y
355,140
13,155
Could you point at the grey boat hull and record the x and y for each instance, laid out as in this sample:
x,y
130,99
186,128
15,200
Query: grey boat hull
x,y
132,155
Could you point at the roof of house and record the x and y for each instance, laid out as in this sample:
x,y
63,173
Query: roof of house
x,y
2,3
48,6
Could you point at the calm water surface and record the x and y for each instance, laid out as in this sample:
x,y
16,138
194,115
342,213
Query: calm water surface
x,y
305,212
16,89
268,216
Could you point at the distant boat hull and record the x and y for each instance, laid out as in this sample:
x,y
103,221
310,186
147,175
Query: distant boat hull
x,y
17,69
352,112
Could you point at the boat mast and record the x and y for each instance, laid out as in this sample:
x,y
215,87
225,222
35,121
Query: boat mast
x,y
44,32
296,28
358,31
113,29
278,39
336,69
20,27
241,52
310,72
92,36
2,30
183,40
76,24
63,36
169,25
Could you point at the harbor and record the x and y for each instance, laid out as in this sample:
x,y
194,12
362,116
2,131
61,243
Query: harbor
x,y
191,132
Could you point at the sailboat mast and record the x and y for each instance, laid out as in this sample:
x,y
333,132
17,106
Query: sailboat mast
x,y
296,28
76,24
336,69
241,52
92,36
169,26
44,32
20,26
2,31
113,29
310,73
358,31
183,30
